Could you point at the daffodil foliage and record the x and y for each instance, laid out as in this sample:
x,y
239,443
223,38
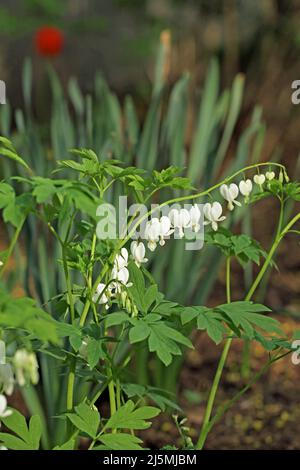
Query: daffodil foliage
x,y
89,337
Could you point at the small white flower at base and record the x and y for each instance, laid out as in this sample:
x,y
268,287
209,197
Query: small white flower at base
x,y
259,180
4,412
3,448
26,367
1,263
246,187
213,214
100,297
138,252
230,193
270,175
123,276
195,215
180,219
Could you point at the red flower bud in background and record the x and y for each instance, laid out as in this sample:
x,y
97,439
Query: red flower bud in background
x,y
49,41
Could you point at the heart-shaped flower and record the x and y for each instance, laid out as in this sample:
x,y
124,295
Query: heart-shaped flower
x,y
100,296
259,179
25,367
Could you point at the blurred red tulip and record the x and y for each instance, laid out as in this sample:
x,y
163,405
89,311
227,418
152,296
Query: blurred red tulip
x,y
49,41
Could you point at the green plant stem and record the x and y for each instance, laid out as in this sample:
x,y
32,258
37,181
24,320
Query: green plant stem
x,y
141,361
112,397
245,367
33,403
263,269
106,383
217,378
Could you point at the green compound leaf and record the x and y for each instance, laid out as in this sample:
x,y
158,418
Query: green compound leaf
x,y
162,338
248,316
119,441
127,417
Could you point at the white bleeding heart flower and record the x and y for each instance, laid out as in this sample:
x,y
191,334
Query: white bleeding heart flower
x,y
180,219
164,229
26,367
123,277
195,215
152,233
4,412
121,260
230,193
213,214
270,175
83,350
246,187
259,179
101,297
138,252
